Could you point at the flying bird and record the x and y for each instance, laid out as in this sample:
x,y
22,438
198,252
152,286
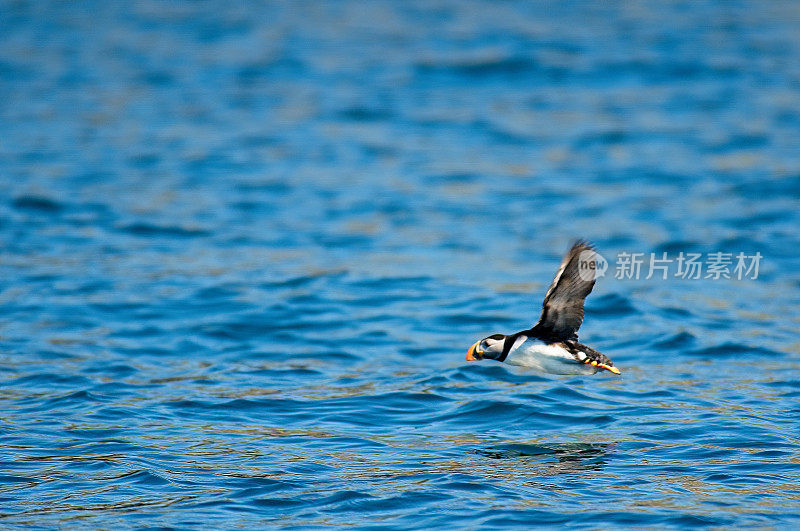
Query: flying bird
x,y
552,346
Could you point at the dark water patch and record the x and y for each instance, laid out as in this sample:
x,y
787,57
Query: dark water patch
x,y
262,140
491,415
540,517
342,501
332,442
746,245
490,371
673,312
679,341
77,399
730,349
38,204
139,332
144,161
325,353
405,502
116,413
660,394
426,350
16,480
676,247
654,72
145,477
365,114
393,283
756,220
94,434
562,451
779,188
502,136
478,67
48,380
772,454
460,318
263,328
675,433
563,392
224,292
295,282
148,230
739,142
257,72
401,409
611,305
117,371
614,136
453,177
794,384
156,78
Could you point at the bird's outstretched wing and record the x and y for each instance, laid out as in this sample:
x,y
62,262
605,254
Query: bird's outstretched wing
x,y
562,309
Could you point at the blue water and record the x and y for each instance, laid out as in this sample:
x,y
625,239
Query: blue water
x,y
245,248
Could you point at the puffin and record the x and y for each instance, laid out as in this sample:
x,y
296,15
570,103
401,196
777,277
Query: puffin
x,y
551,345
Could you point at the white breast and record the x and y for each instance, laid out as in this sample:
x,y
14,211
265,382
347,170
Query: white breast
x,y
535,354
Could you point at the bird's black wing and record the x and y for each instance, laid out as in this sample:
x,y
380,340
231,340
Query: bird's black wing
x,y
562,309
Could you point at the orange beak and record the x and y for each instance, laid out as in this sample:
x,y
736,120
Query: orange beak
x,y
472,350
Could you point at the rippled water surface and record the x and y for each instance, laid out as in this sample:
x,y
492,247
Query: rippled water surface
x,y
245,249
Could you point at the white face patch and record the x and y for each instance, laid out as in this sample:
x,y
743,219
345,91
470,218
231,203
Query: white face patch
x,y
491,344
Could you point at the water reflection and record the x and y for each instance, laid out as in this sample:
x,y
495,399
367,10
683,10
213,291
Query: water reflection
x,y
553,458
